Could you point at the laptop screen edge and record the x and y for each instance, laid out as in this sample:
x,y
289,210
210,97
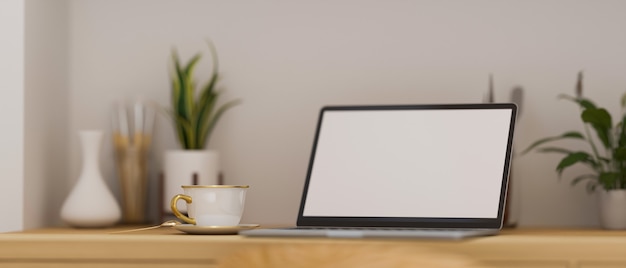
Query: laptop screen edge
x,y
482,223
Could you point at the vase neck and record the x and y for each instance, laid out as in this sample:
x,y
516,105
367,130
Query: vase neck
x,y
90,144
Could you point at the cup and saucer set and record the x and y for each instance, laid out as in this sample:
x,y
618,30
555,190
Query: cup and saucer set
x,y
211,209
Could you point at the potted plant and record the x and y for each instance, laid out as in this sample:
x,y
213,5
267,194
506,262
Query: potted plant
x,y
605,156
194,116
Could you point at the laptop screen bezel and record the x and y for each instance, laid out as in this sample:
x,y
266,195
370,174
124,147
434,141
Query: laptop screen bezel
x,y
486,223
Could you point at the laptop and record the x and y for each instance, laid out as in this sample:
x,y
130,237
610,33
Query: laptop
x,y
421,171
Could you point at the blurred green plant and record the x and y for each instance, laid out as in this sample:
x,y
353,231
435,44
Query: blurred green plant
x,y
608,163
195,117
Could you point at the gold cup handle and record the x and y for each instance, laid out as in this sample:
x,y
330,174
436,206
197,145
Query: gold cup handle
x,y
175,209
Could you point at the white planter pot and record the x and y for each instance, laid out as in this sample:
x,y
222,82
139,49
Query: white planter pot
x,y
180,167
612,209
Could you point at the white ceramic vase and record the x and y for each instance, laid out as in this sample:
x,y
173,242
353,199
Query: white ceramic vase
x,y
90,204
612,209
188,167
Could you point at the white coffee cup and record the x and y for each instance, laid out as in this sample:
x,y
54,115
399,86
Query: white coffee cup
x,y
211,205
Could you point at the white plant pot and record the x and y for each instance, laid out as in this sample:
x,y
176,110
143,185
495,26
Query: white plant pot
x,y
612,209
180,167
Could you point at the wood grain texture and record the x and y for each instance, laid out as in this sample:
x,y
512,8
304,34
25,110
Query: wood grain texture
x,y
59,247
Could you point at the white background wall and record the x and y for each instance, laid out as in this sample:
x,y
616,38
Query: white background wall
x,y
12,114
46,111
287,59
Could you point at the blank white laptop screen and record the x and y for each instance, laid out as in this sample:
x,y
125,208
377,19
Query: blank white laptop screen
x,y
409,163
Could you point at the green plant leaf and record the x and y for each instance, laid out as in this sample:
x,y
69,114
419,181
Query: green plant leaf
x,y
573,158
194,116
189,89
609,180
190,112
216,117
206,108
554,150
191,65
178,94
584,103
622,132
600,120
623,102
597,116
580,178
183,126
207,100
566,135
620,153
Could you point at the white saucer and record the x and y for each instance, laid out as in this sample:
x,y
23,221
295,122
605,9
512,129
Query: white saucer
x,y
213,230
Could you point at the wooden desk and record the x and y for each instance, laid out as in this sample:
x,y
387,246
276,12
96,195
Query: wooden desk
x,y
166,247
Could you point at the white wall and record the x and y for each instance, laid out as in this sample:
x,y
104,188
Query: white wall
x,y
12,114
46,111
286,59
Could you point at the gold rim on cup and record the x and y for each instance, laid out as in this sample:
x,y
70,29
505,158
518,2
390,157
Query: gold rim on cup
x,y
215,186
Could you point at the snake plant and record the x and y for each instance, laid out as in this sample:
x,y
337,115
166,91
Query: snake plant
x,y
195,115
608,162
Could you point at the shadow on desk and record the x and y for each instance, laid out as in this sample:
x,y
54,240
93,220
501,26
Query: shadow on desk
x,y
325,256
